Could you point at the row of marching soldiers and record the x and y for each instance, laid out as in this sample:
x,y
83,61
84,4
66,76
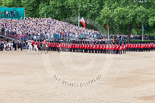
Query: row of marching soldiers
x,y
99,47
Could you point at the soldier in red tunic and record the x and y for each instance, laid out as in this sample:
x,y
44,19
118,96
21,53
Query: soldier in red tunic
x,y
120,48
103,48
59,47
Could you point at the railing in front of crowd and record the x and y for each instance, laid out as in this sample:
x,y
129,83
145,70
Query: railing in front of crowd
x,y
54,37
49,37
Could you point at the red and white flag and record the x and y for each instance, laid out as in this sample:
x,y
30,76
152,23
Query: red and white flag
x,y
83,22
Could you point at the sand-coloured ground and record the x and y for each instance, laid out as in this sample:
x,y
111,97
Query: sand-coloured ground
x,y
77,78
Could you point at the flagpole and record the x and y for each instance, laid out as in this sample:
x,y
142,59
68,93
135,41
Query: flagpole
x,y
108,33
142,35
143,29
107,30
45,15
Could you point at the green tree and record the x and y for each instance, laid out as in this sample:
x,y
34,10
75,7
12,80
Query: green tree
x,y
125,15
122,16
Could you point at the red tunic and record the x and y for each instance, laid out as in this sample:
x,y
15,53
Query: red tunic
x,y
116,47
107,47
100,46
110,47
82,46
103,46
113,46
96,47
93,46
73,46
33,42
87,46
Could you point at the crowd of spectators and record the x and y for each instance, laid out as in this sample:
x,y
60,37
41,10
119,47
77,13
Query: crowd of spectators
x,y
42,28
51,29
